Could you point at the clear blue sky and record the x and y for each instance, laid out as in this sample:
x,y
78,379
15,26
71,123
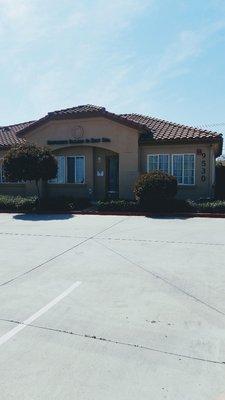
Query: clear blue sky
x,y
164,58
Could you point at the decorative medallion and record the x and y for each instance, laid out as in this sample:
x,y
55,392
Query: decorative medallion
x,y
77,132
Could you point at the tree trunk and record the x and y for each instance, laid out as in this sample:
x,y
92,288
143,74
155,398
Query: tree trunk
x,y
38,190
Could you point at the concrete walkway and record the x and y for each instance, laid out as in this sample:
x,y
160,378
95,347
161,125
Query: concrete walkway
x,y
111,308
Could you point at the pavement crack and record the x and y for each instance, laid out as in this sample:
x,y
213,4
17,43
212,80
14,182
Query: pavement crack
x,y
116,342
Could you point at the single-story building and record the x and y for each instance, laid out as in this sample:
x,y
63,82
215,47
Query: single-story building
x,y
100,154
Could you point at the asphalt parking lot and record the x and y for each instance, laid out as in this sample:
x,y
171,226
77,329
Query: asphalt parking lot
x,y
112,308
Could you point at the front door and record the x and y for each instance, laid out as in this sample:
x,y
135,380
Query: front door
x,y
112,177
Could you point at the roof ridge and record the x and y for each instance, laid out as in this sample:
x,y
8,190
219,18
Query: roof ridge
x,y
172,123
77,107
20,123
160,130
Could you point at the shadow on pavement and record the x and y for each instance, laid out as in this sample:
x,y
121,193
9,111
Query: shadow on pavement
x,y
169,217
42,217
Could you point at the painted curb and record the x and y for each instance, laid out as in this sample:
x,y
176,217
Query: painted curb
x,y
122,213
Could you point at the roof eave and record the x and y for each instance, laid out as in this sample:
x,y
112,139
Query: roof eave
x,y
217,140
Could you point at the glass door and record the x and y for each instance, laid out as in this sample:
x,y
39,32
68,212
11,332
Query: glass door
x,y
112,184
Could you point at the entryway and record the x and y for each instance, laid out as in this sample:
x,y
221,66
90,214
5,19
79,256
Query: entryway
x,y
112,176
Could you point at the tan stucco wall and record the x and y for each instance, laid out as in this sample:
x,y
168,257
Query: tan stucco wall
x,y
13,189
132,158
124,141
201,188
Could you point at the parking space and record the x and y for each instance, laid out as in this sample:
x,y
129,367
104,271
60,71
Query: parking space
x,y
111,307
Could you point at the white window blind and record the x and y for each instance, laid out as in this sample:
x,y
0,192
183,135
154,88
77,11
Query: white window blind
x,y
76,169
80,178
183,168
158,162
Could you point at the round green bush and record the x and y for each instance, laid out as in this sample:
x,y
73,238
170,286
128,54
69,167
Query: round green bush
x,y
155,187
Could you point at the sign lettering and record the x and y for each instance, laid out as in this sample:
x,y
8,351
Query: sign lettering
x,y
203,167
79,141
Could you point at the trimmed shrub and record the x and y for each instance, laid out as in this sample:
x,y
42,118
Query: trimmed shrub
x,y
32,204
17,203
154,187
117,205
164,206
63,203
216,206
170,206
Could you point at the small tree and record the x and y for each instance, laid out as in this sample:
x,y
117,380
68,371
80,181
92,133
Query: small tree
x,y
155,187
220,181
28,162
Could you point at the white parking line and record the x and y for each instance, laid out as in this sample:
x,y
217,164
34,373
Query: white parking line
x,y
24,324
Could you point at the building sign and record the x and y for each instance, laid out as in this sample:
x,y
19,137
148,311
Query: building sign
x,y
203,164
203,167
79,141
100,172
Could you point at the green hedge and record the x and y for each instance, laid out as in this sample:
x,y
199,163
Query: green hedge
x,y
168,206
31,204
117,205
63,203
17,203
216,206
171,205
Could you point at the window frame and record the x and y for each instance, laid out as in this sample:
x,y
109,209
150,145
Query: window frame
x,y
75,156
159,154
65,170
172,168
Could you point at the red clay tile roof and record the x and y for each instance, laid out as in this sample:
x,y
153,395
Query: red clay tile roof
x,y
152,129
8,134
87,108
169,131
84,111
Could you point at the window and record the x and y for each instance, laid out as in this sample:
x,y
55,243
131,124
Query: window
x,y
183,167
60,177
158,162
75,169
80,175
70,170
